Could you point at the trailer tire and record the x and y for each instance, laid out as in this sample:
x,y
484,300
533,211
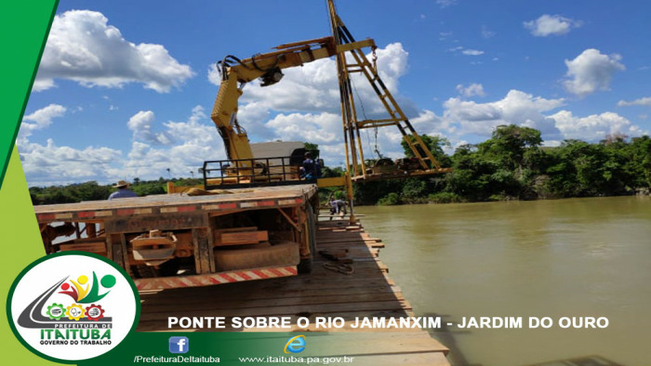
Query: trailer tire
x,y
305,266
283,254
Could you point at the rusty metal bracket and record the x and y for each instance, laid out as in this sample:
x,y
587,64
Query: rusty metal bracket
x,y
289,219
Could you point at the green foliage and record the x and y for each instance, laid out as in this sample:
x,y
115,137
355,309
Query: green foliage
x,y
435,144
369,193
327,172
313,149
91,191
389,200
341,195
512,165
413,189
88,191
444,197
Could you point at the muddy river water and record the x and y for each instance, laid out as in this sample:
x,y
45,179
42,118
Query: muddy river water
x,y
584,263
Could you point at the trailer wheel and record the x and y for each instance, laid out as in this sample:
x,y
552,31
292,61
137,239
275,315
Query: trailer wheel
x,y
282,254
305,266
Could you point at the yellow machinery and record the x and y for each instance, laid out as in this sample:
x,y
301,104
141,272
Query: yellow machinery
x,y
426,163
267,67
243,168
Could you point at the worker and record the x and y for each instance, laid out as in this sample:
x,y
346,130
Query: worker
x,y
337,207
123,191
311,169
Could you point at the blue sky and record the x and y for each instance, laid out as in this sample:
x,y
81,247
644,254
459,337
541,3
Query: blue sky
x,y
125,88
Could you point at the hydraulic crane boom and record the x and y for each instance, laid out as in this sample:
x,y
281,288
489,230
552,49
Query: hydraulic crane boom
x,y
244,168
267,67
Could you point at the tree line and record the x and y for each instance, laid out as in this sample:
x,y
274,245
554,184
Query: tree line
x,y
92,191
512,164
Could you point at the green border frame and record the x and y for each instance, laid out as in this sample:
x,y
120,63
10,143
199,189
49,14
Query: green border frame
x,y
10,295
22,24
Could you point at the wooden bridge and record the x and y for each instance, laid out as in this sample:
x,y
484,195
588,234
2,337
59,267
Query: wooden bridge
x,y
366,292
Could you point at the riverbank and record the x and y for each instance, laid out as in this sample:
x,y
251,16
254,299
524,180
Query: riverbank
x,y
513,163
446,198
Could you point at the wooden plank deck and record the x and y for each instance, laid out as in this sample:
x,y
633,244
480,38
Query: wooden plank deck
x,y
163,200
368,292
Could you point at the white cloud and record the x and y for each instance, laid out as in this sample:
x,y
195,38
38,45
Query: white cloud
x,y
322,128
141,125
594,127
467,117
591,71
471,90
213,74
50,164
83,47
646,101
469,52
487,33
446,3
516,108
548,25
42,118
195,140
444,35
466,51
429,123
141,121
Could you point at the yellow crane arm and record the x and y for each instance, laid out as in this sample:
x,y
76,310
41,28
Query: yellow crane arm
x,y
267,67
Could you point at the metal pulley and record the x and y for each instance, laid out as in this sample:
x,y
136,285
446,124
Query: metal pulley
x,y
154,248
271,77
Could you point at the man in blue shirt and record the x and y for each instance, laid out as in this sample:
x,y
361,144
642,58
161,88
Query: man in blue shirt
x,y
311,169
123,191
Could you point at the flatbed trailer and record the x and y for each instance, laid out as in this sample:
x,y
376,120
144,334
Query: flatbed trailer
x,y
177,240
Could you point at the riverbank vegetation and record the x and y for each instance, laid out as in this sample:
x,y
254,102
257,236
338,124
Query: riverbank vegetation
x,y
92,191
512,164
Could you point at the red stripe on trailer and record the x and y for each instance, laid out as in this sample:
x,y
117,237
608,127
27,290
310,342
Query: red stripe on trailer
x,y
299,200
198,281
260,274
267,203
213,278
46,216
187,208
244,275
86,214
126,211
228,278
276,272
227,206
